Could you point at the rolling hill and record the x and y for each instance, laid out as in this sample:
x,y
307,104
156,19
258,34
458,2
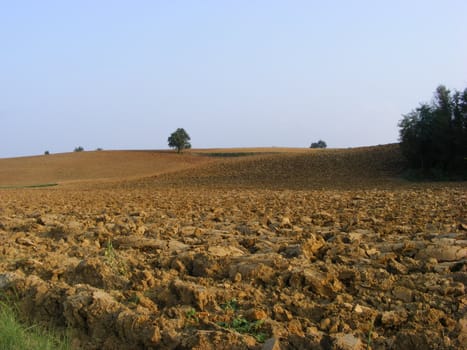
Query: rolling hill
x,y
309,169
255,168
93,166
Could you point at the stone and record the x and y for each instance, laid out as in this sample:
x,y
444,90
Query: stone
x,y
188,230
193,294
393,318
396,267
256,314
443,253
403,293
324,324
286,222
358,309
252,270
295,327
355,237
462,331
25,241
222,251
347,342
271,344
293,251
281,314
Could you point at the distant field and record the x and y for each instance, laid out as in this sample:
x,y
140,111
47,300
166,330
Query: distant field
x,y
271,167
254,150
292,169
91,166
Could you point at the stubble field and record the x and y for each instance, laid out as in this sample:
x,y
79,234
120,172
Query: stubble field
x,y
275,249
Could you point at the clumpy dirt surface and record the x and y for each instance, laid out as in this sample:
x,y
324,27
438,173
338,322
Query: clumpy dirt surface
x,y
173,262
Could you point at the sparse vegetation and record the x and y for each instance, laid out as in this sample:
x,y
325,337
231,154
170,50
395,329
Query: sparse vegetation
x,y
319,144
434,136
112,259
242,325
370,334
231,304
78,149
191,316
179,140
239,323
15,335
29,186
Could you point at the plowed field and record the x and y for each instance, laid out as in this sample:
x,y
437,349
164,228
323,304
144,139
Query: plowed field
x,y
274,249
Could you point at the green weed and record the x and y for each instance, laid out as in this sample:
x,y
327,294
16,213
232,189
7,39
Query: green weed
x,y
113,260
370,333
242,325
231,304
191,316
17,336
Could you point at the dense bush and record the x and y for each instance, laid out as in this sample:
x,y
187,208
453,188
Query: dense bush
x,y
79,149
319,144
434,136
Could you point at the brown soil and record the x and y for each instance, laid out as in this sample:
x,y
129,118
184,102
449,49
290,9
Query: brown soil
x,y
313,250
92,166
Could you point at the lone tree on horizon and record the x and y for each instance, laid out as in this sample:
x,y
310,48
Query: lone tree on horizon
x,y
179,140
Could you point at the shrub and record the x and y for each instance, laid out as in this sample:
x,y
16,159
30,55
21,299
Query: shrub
x,y
79,149
319,144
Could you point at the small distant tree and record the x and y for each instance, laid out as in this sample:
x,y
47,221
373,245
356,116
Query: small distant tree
x,y
46,153
79,149
319,144
179,140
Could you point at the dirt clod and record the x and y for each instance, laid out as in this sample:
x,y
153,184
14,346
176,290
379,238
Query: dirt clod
x,y
288,251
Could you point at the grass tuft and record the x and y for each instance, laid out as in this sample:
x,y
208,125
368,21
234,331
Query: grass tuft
x,y
231,304
16,336
113,260
243,326
191,316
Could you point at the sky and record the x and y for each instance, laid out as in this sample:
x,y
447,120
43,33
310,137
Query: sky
x,y
117,74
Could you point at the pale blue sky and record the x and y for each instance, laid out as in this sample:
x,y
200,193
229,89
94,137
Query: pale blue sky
x,y
125,74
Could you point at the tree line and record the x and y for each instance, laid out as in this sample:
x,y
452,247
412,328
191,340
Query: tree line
x,y
433,136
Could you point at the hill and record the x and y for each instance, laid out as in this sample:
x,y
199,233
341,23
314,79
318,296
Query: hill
x,y
295,169
289,168
92,166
